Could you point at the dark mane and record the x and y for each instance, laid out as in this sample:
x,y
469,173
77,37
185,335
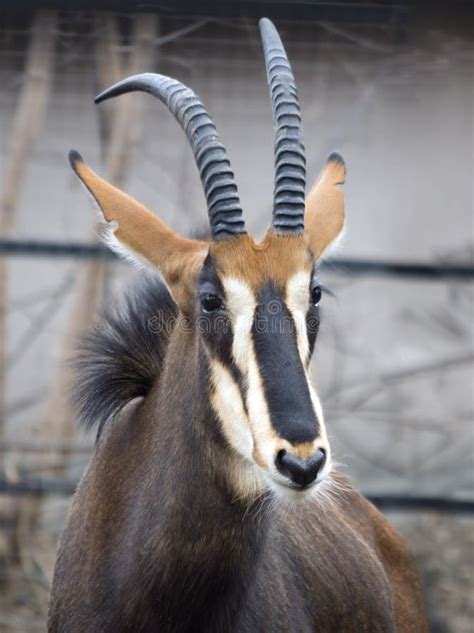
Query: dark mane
x,y
120,359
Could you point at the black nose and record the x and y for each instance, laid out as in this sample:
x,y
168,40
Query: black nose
x,y
302,472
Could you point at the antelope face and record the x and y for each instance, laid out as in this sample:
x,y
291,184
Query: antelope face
x,y
255,305
258,315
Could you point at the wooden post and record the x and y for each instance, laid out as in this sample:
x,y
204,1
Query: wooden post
x,y
26,127
124,127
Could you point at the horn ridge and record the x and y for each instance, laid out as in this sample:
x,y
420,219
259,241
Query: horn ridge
x,y
225,212
289,150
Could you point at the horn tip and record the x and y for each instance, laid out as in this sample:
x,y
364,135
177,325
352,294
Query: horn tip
x,y
112,91
265,24
101,96
141,82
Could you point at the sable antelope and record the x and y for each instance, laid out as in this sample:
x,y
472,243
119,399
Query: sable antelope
x,y
210,504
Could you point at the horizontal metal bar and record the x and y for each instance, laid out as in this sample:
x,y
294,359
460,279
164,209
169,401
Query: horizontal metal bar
x,y
35,248
400,269
422,503
46,447
372,12
39,487
36,487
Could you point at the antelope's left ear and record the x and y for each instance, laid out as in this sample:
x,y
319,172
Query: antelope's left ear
x,y
138,234
324,213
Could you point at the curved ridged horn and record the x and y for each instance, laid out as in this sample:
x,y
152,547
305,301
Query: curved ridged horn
x,y
225,212
290,162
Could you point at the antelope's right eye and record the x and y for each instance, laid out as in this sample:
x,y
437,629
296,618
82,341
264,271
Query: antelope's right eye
x,y
211,302
316,293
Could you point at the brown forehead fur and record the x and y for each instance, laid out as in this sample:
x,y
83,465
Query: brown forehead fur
x,y
276,258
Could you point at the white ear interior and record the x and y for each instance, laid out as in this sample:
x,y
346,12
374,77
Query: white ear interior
x,y
334,246
106,234
108,237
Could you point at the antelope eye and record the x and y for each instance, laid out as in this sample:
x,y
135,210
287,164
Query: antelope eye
x,y
316,295
211,303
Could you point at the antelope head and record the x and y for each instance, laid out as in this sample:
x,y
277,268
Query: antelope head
x,y
254,305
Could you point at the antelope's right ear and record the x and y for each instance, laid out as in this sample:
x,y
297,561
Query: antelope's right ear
x,y
324,214
138,234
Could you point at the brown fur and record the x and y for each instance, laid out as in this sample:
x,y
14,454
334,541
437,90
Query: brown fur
x,y
276,258
154,538
178,259
324,215
159,538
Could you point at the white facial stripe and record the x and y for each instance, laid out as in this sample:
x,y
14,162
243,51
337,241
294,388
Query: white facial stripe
x,y
250,432
259,415
227,403
241,306
323,438
317,409
297,298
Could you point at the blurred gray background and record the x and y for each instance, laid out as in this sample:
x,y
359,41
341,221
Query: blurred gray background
x,y
393,92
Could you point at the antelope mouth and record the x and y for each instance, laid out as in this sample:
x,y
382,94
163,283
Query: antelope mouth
x,y
284,488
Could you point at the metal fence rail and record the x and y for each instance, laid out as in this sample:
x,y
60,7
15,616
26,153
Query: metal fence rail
x,y
41,487
27,486
78,250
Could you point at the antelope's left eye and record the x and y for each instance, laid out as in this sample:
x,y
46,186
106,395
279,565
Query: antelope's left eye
x,y
211,302
316,293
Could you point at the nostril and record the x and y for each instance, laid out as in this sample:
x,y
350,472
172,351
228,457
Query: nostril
x,y
320,457
316,463
281,463
301,472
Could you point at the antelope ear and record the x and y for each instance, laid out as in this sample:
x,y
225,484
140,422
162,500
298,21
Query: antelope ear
x,y
138,234
324,213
